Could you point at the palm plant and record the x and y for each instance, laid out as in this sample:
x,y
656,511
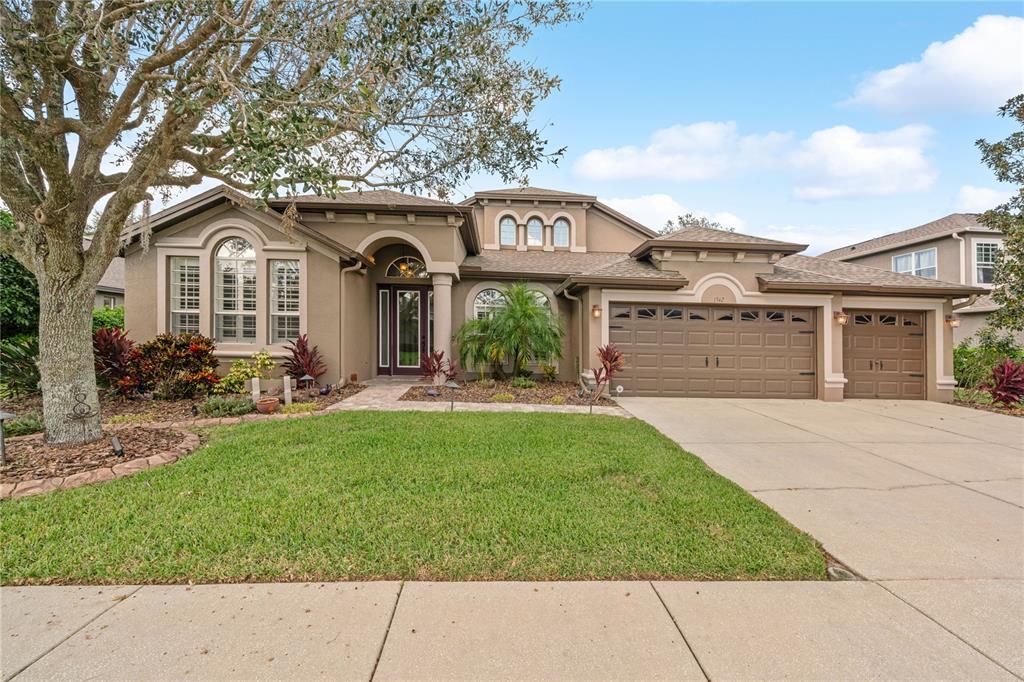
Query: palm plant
x,y
525,330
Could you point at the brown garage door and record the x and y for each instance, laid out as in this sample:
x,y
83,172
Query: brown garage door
x,y
883,354
714,351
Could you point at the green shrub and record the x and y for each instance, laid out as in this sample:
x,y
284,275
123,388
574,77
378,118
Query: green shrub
x,y
30,422
550,372
107,318
176,366
974,358
502,398
226,406
19,374
260,365
299,408
523,382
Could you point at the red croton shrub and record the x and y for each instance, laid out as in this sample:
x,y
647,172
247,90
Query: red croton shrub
x,y
178,365
1007,383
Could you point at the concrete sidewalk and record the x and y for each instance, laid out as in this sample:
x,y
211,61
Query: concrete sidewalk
x,y
535,631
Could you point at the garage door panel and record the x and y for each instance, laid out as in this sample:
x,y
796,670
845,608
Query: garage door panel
x,y
717,352
884,355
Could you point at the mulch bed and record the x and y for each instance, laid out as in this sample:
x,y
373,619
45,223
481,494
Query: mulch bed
x,y
1016,411
28,457
545,393
324,401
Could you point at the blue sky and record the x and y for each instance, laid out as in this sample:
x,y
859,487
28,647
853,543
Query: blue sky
x,y
818,122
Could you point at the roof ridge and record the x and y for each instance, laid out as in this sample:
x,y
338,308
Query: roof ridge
x,y
932,228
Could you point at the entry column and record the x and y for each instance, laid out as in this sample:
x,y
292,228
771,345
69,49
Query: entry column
x,y
443,314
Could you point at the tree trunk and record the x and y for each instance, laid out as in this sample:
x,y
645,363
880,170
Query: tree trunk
x,y
71,413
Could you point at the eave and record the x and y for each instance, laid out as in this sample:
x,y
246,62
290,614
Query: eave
x,y
650,245
865,288
661,283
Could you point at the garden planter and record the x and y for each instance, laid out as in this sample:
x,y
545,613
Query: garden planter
x,y
267,405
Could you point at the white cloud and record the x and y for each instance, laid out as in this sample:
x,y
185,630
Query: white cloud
x,y
654,210
976,71
819,238
842,162
971,199
698,151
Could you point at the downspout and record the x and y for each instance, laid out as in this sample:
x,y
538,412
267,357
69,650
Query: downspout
x,y
358,267
579,301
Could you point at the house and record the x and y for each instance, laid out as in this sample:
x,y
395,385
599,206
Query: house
x,y
376,278
956,248
110,289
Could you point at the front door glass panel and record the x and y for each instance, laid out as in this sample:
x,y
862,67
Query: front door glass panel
x,y
408,328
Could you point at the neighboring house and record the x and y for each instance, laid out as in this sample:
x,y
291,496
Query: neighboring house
x,y
377,278
110,290
956,248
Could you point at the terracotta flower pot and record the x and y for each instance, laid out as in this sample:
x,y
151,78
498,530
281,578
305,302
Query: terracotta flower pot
x,y
267,405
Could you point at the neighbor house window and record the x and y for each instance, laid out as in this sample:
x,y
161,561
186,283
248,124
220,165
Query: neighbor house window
x,y
184,294
985,260
920,263
487,303
508,231
534,232
235,292
109,302
561,232
284,300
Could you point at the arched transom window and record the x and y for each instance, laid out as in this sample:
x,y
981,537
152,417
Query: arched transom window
x,y
235,291
490,301
407,267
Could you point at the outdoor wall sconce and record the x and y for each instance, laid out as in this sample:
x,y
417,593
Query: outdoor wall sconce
x,y
952,321
596,312
841,317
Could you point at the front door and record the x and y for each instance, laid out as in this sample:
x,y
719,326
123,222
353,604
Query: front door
x,y
404,317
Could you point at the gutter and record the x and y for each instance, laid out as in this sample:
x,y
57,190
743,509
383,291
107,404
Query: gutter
x,y
967,303
579,302
855,288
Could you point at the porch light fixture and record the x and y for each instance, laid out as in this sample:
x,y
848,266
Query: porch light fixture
x,y
596,312
952,321
841,317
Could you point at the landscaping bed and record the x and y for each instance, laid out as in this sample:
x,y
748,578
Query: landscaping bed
x,y
980,400
410,495
492,391
28,457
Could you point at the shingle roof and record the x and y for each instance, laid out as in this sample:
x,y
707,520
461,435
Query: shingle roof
x,y
955,222
539,191
984,304
553,262
113,279
704,234
818,270
374,197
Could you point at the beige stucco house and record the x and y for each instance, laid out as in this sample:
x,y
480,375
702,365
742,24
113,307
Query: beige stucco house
x,y
956,248
376,278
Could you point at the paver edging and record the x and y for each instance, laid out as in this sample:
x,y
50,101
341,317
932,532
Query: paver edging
x,y
37,486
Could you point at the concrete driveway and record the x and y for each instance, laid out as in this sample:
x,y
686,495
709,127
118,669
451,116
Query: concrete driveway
x,y
926,500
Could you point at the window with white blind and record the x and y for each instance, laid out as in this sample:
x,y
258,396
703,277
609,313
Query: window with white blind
x,y
284,300
235,292
922,263
184,294
985,254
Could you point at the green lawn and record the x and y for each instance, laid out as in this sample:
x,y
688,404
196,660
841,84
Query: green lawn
x,y
413,495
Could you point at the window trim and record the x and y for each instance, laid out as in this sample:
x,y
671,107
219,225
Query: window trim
x,y
515,230
217,288
534,220
171,309
554,233
913,261
974,260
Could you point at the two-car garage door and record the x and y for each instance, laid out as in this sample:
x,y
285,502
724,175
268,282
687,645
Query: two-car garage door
x,y
714,351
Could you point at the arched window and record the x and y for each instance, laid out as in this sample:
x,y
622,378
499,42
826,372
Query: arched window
x,y
508,231
561,232
408,267
235,291
534,232
488,302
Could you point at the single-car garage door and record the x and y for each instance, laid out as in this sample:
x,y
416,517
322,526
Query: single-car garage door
x,y
714,351
884,354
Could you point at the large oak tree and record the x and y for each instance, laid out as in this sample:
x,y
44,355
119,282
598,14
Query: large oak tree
x,y
106,103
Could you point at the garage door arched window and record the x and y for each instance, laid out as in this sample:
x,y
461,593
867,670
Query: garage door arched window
x,y
407,267
487,303
235,291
